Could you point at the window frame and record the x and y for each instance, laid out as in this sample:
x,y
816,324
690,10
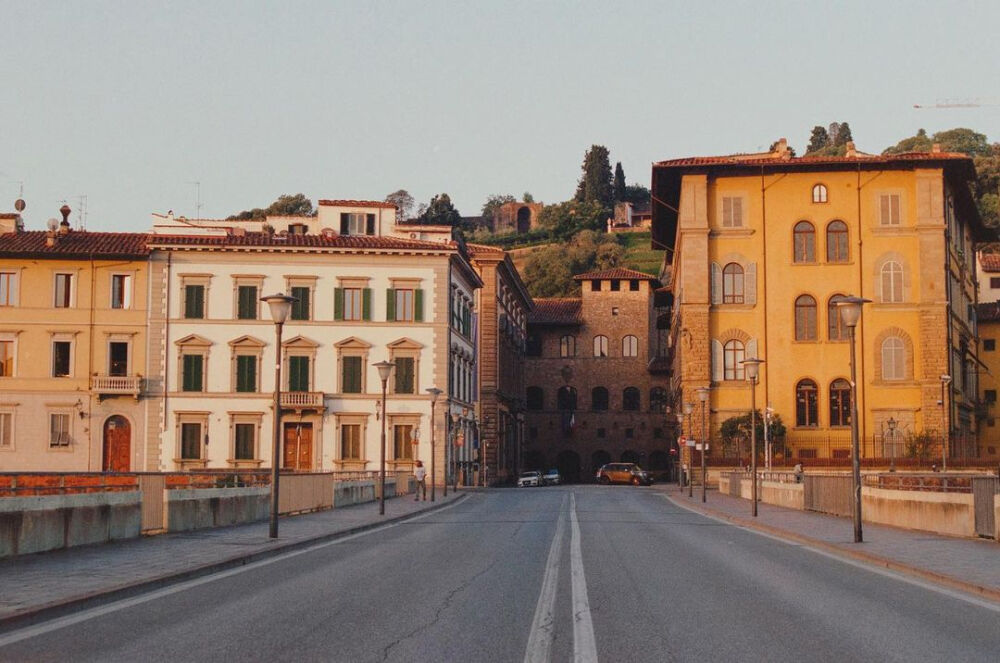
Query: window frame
x,y
840,403
70,357
600,344
125,301
68,300
805,329
631,399
733,217
734,351
820,194
895,353
895,279
65,439
599,396
836,329
731,278
803,243
9,287
806,412
838,242
567,346
630,346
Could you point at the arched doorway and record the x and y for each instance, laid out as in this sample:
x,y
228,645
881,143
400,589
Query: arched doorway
x,y
659,461
598,458
568,463
630,456
117,444
523,219
534,460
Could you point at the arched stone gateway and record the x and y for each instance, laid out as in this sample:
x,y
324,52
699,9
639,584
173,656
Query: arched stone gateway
x,y
568,463
117,444
523,219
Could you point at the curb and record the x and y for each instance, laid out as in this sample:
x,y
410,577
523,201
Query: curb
x,y
61,607
876,560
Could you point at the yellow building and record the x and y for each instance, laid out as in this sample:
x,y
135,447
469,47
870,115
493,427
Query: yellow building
x,y
72,348
763,247
988,318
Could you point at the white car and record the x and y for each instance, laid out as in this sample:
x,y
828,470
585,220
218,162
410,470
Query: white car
x,y
532,478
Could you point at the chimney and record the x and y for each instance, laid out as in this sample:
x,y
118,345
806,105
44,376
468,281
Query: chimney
x,y
936,148
851,152
781,147
64,224
10,224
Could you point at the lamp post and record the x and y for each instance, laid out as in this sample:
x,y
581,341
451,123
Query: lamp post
x,y
453,463
384,369
892,423
434,392
688,409
280,306
850,313
752,368
703,393
945,381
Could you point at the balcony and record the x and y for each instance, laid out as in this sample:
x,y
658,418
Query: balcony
x,y
302,400
116,385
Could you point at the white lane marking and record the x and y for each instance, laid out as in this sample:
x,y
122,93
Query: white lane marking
x,y
584,643
860,564
543,626
93,613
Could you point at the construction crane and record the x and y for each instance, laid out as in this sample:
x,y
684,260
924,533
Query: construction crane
x,y
958,103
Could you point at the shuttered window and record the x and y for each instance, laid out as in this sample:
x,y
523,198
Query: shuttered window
x,y
404,305
350,441
190,441
193,369
732,212
244,441
301,307
194,301
889,209
298,373
352,304
351,378
402,438
246,306
357,223
246,373
404,375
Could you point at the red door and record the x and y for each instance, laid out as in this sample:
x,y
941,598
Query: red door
x,y
117,444
298,447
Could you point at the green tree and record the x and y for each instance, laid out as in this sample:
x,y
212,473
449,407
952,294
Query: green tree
x,y
596,182
527,197
619,183
919,143
564,219
440,212
286,205
549,271
735,432
403,202
636,194
493,203
843,134
818,139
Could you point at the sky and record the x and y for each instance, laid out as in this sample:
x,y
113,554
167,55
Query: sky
x,y
131,103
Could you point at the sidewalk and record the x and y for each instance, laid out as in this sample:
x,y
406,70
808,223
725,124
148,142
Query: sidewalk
x,y
971,565
47,582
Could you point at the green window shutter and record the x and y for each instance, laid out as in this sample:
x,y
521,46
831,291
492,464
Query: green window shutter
x,y
193,373
338,303
300,309
351,379
194,301
370,224
246,373
247,305
345,223
404,375
390,305
366,304
298,374
418,305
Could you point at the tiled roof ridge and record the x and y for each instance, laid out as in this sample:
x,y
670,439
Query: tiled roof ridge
x,y
990,262
615,273
988,312
355,203
765,158
269,240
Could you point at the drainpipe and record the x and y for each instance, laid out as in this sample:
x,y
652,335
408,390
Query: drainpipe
x,y
953,371
166,347
860,387
90,367
763,280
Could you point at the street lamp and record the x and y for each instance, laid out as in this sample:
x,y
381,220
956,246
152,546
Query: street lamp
x,y
281,306
703,394
945,427
453,462
850,313
680,425
384,369
752,368
892,423
434,392
688,409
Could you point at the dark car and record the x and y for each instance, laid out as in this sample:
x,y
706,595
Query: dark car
x,y
623,473
551,478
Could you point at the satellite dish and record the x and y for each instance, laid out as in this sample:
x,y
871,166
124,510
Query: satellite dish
x,y
52,224
19,204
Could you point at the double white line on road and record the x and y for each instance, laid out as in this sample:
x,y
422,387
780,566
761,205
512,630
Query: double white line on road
x,y
543,626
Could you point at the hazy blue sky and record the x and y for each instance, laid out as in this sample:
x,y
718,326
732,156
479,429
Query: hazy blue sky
x,y
130,102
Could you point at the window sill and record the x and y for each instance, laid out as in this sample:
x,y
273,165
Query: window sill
x,y
731,232
806,263
895,383
892,230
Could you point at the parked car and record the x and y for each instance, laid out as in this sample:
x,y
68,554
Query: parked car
x,y
531,478
623,473
551,478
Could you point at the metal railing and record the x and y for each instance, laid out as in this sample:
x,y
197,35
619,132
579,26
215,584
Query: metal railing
x,y
116,384
935,482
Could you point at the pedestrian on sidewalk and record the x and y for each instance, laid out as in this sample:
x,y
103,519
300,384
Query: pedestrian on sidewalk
x,y
420,474
798,472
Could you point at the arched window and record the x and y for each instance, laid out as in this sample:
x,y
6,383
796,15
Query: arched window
x,y
893,359
836,329
566,398
658,400
733,354
819,193
630,346
840,402
536,398
598,398
567,346
630,398
806,407
805,242
732,284
892,282
805,318
600,346
836,242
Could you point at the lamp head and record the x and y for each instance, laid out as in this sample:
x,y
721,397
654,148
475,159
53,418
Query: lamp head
x,y
703,393
434,392
945,379
280,305
850,309
384,370
892,423
752,367
688,408
454,417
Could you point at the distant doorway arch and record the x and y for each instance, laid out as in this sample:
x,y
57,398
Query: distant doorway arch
x,y
568,463
629,456
523,219
598,458
117,444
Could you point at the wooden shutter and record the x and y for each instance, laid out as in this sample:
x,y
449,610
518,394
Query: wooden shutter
x,y
370,224
366,304
717,362
750,284
737,212
345,223
404,375
727,212
352,375
716,283
193,373
338,303
390,304
418,305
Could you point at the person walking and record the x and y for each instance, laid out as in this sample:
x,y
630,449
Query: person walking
x,y
420,474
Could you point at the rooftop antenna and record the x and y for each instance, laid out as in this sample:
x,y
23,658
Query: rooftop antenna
x,y
198,204
82,210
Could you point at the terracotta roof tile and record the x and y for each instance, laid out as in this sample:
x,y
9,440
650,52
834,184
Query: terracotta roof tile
x,y
616,273
990,262
561,311
264,240
476,249
763,160
988,312
357,203
75,244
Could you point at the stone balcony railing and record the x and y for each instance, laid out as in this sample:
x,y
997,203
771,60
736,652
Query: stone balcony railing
x,y
302,400
116,385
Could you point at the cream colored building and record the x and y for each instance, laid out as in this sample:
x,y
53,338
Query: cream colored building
x,y
367,293
72,348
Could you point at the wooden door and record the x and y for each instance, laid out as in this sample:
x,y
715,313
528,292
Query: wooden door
x,y
298,447
117,444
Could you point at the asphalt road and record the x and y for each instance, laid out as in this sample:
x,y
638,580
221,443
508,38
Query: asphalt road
x,y
569,573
